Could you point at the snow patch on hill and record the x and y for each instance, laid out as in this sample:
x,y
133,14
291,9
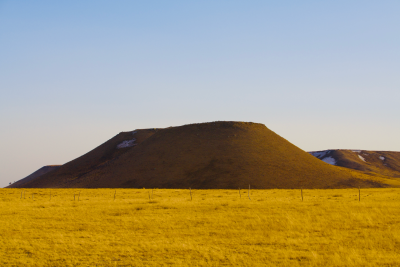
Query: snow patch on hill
x,y
323,155
329,160
127,143
362,158
382,158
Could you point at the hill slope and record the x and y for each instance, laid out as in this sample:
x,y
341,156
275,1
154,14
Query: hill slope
x,y
34,175
379,162
207,155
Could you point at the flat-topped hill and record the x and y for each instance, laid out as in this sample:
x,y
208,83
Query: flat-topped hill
x,y
206,155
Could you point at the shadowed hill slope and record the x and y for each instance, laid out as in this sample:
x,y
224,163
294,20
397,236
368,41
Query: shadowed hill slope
x,y
97,159
207,155
34,175
372,162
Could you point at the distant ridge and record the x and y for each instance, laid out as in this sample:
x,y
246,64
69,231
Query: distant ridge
x,y
34,175
385,163
207,156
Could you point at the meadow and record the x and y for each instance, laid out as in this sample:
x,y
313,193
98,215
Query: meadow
x,y
160,227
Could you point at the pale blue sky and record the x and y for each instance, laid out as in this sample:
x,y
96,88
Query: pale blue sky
x,y
322,74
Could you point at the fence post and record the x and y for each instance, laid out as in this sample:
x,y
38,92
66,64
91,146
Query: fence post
x,y
302,194
249,193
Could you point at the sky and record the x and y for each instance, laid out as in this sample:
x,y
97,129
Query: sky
x,y
73,74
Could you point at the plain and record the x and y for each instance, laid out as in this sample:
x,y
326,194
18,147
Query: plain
x,y
161,227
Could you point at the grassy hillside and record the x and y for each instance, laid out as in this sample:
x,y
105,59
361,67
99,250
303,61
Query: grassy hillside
x,y
216,228
385,163
207,155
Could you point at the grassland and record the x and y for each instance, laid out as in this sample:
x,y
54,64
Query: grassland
x,y
216,228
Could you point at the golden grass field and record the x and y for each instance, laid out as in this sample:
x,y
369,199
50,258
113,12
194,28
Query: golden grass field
x,y
216,228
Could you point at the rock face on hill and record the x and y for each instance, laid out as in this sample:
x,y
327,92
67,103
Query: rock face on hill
x,y
207,155
372,162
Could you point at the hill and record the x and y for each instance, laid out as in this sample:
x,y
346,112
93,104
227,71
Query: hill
x,y
34,175
207,155
385,163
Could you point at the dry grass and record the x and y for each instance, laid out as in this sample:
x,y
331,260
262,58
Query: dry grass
x,y
330,227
